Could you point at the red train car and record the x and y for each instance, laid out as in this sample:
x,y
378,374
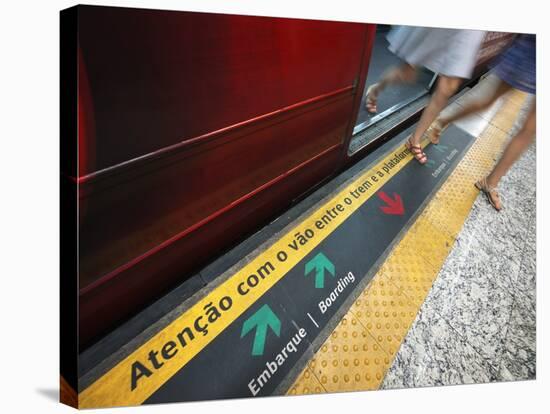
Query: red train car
x,y
194,129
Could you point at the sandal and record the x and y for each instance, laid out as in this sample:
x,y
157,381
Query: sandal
x,y
370,101
417,152
490,192
435,131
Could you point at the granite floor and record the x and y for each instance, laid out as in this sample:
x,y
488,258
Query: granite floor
x,y
478,323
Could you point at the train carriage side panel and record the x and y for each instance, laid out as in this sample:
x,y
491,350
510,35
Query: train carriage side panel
x,y
198,128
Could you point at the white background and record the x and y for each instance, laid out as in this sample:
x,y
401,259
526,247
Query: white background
x,y
29,160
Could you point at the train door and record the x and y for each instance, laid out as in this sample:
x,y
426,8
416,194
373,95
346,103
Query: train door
x,y
196,129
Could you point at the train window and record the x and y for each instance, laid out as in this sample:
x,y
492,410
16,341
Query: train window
x,y
393,104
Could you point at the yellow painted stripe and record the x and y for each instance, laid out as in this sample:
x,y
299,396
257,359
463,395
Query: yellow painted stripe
x,y
361,349
114,388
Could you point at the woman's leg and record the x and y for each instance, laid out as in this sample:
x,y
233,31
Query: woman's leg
x,y
446,87
517,146
403,73
477,105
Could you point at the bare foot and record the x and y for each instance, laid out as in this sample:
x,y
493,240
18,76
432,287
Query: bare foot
x,y
371,98
436,129
490,192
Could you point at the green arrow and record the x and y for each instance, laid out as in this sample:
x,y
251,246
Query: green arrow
x,y
263,318
320,263
441,148
430,163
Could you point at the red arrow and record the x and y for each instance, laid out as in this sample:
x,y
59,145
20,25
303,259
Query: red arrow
x,y
394,206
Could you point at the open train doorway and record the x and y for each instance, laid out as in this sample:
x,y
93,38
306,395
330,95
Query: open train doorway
x,y
395,103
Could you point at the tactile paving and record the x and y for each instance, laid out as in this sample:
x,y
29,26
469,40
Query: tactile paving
x,y
507,114
361,348
425,239
411,273
307,383
385,311
350,359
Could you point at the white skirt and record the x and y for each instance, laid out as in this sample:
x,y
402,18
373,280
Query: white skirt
x,y
450,52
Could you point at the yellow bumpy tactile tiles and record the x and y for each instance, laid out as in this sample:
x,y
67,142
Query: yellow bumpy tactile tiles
x,y
506,116
307,383
380,317
386,312
411,273
451,204
350,359
441,219
428,241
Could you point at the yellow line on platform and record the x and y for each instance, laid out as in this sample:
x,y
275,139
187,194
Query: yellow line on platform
x,y
361,349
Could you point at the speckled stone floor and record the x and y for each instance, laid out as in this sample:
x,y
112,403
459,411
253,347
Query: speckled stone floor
x,y
478,323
